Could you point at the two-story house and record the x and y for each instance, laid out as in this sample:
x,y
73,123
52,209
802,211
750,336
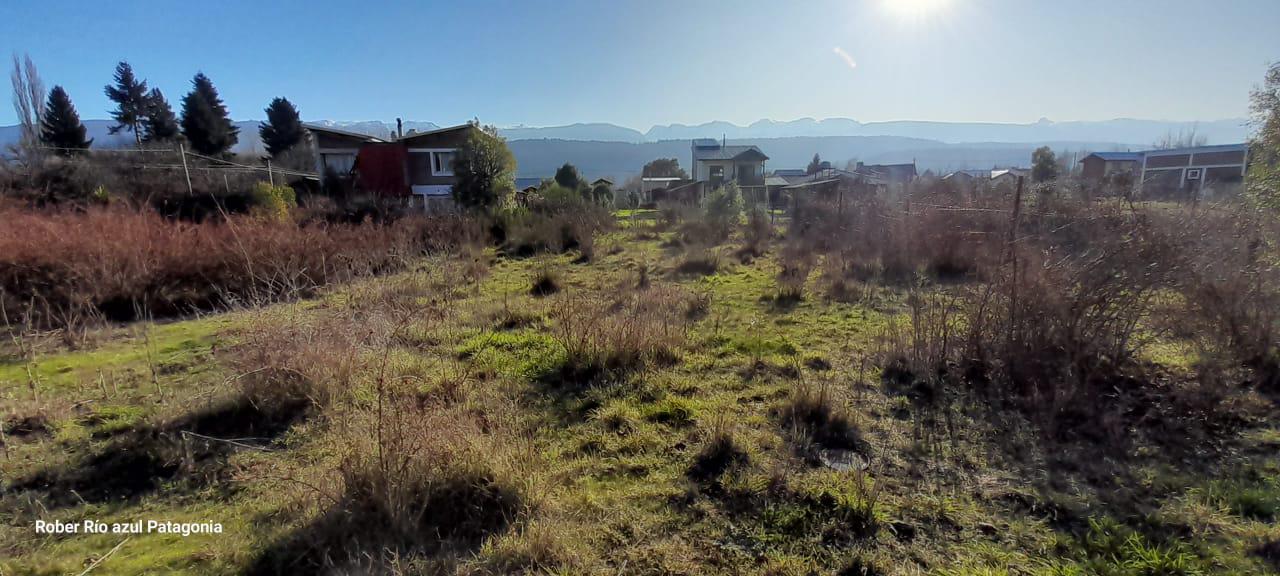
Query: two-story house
x,y
417,167
716,163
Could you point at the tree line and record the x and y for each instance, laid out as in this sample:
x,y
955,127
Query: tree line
x,y
203,124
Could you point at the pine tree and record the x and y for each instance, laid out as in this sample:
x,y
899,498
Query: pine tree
x,y
130,96
160,125
283,128
60,128
205,122
815,165
568,176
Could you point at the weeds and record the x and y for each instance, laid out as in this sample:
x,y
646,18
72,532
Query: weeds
x,y
610,338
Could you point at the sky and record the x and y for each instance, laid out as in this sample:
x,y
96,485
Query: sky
x,y
640,63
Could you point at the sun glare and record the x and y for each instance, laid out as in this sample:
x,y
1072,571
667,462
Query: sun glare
x,y
915,10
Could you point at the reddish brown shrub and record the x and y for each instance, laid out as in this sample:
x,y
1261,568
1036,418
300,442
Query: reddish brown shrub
x,y
64,268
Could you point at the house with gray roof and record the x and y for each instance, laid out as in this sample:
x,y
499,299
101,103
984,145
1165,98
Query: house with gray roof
x,y
717,163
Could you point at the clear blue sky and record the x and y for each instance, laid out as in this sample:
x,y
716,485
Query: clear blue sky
x,y
544,63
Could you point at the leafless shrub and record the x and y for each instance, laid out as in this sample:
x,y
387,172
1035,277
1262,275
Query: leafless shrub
x,y
699,259
64,268
756,235
603,337
1231,284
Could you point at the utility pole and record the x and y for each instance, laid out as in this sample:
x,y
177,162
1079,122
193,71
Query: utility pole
x,y
182,149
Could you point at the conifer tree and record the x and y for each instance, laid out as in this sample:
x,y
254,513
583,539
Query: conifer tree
x,y
60,128
283,128
130,96
205,122
161,125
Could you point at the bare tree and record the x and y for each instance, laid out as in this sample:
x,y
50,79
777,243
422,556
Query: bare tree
x,y
28,102
1187,139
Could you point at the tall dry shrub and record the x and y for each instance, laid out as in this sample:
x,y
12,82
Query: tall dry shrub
x,y
64,268
611,336
1230,280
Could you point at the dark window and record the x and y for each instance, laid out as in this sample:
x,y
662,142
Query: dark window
x,y
1223,175
1210,158
1168,161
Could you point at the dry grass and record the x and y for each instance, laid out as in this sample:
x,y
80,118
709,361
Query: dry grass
x,y
60,269
604,337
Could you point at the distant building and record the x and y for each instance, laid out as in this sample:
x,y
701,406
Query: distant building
x,y
1176,173
417,167
654,188
1008,176
892,173
789,175
335,150
1100,165
833,183
967,177
529,182
717,164
430,163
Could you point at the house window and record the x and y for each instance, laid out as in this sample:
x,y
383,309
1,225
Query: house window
x,y
717,172
339,163
442,163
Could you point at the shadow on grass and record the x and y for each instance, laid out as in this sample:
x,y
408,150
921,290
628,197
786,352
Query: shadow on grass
x,y
192,448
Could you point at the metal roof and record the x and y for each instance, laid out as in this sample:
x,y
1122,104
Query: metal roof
x,y
430,132
973,173
340,132
1117,156
1199,149
522,183
725,152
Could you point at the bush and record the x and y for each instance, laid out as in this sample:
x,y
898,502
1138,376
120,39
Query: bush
x,y
545,283
273,202
723,209
604,338
812,413
61,269
718,455
556,221
756,236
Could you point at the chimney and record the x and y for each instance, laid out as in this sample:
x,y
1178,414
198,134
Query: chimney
x,y
399,128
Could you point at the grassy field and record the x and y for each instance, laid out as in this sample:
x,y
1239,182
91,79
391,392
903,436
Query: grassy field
x,y
630,414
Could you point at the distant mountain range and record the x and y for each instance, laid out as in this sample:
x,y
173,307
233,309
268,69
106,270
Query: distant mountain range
x,y
601,149
1139,132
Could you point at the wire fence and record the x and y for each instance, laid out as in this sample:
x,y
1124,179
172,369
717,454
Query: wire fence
x,y
214,164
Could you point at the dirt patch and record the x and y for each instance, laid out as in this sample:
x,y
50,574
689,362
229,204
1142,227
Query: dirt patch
x,y
31,427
